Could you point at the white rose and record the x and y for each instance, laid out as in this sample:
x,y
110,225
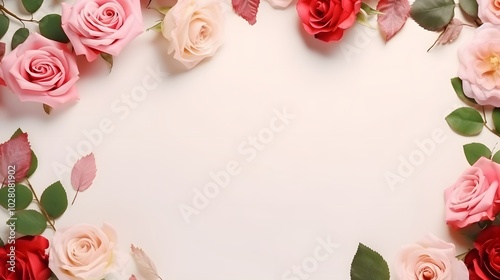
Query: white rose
x,y
84,252
430,259
194,30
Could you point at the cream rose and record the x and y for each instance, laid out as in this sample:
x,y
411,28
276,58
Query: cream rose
x,y
84,252
430,259
489,11
479,66
194,29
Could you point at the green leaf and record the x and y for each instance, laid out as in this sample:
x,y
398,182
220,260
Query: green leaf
x,y
19,37
495,115
50,27
18,132
21,197
4,25
54,200
433,15
475,151
470,7
109,60
32,5
459,90
496,157
368,265
34,159
1,242
465,121
29,222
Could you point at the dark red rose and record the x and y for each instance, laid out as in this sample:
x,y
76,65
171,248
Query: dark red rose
x,y
483,262
327,19
30,261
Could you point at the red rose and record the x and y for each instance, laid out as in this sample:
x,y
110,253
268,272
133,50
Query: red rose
x,y
327,19
30,261
483,262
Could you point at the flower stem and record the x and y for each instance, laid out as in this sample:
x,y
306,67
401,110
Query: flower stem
x,y
41,207
22,20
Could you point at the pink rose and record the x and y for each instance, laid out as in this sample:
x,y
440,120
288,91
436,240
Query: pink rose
x,y
41,70
430,259
101,26
475,196
489,11
328,19
194,29
479,66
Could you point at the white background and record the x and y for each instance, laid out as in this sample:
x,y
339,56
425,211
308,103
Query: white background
x,y
356,116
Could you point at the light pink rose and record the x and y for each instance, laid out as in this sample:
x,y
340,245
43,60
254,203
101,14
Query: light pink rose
x,y
41,70
489,11
101,26
479,66
84,252
430,259
475,196
194,29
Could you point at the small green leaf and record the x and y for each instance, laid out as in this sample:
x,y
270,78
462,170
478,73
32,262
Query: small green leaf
x,y
475,151
465,121
108,59
496,157
54,200
459,90
4,25
433,15
21,197
19,37
28,222
1,243
32,5
18,132
368,264
50,27
470,7
157,27
495,115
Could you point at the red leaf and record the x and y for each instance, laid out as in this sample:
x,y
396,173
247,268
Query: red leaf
x,y
247,9
393,17
132,277
83,173
451,32
15,156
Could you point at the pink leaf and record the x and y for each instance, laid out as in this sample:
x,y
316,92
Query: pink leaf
x,y
393,17
247,9
15,157
83,173
132,277
145,264
451,32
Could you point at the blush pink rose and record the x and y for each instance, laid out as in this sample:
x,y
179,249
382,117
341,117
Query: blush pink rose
x,y
479,66
430,259
489,11
328,19
101,26
41,70
475,196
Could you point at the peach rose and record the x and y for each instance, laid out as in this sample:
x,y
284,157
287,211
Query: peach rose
x,y
475,196
489,11
194,29
41,70
84,252
479,66
430,259
101,26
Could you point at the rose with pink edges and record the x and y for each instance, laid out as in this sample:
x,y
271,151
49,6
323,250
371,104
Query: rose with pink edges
x,y
489,11
41,70
101,26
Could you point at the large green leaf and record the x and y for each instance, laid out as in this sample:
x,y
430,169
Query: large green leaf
x,y
50,27
470,7
32,5
4,25
496,158
54,200
459,90
433,15
475,151
465,121
19,37
368,265
21,197
29,222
